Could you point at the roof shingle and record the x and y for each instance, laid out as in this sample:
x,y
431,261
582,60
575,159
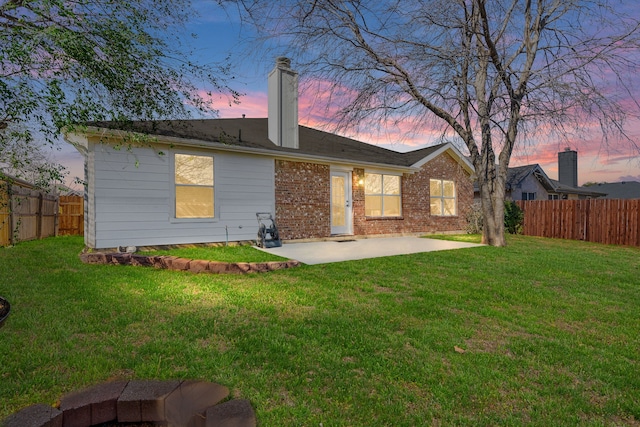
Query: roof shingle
x,y
253,133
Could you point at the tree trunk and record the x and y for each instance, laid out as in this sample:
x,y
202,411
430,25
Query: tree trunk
x,y
493,212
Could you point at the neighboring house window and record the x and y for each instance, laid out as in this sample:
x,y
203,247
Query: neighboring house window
x,y
194,186
443,197
553,197
528,196
382,195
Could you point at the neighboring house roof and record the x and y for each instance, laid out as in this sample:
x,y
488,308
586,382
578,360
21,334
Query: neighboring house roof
x,y
619,190
583,191
515,177
252,135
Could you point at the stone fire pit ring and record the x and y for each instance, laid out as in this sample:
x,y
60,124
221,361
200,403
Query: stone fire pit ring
x,y
173,402
5,308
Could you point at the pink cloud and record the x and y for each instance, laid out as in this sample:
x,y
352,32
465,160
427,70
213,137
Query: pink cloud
x,y
320,107
252,104
320,103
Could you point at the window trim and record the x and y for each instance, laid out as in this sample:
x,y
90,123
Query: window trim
x,y
443,197
172,209
382,195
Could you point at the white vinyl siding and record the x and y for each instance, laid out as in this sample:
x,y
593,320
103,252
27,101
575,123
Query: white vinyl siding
x,y
135,200
89,201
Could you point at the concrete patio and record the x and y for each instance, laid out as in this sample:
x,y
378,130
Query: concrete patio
x,y
349,249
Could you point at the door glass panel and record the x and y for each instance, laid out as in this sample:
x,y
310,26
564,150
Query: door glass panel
x,y
338,201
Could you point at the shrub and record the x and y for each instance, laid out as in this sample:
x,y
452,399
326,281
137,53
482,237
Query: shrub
x,y
475,220
513,217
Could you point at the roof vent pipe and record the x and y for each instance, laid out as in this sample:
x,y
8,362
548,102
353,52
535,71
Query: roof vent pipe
x,y
283,62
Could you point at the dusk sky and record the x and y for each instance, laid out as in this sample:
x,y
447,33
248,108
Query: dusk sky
x,y
220,35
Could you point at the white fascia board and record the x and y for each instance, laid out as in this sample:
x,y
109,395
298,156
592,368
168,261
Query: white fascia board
x,y
455,153
172,141
381,171
79,141
541,174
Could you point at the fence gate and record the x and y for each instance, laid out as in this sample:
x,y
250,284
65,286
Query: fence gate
x,y
71,216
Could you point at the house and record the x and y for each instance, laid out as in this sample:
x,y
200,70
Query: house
x,y
619,190
530,182
200,181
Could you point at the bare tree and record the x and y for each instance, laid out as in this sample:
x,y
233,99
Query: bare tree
x,y
488,73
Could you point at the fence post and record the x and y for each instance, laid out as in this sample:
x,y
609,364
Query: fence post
x,y
56,215
39,216
12,232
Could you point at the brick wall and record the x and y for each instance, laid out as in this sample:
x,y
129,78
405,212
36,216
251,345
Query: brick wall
x,y
302,200
416,216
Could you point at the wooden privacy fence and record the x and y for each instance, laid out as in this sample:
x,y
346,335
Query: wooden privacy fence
x,y
71,219
608,221
27,213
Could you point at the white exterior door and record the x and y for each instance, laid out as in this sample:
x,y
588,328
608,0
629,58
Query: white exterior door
x,y
341,212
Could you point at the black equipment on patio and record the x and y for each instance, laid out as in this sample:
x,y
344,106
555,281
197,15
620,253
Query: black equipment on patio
x,y
268,236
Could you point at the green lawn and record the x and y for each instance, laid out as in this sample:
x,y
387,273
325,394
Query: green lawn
x,y
550,331
244,253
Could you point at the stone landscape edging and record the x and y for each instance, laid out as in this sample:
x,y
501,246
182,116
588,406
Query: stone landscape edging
x,y
177,402
169,262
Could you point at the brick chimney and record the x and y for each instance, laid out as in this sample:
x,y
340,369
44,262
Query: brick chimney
x,y
568,167
283,104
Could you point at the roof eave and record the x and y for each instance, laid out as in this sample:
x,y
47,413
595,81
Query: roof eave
x,y
74,138
456,154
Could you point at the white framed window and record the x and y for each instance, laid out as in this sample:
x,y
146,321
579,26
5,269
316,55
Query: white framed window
x,y
194,186
528,196
443,197
382,196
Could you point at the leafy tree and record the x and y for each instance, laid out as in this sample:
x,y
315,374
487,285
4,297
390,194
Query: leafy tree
x,y
29,161
490,74
64,62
